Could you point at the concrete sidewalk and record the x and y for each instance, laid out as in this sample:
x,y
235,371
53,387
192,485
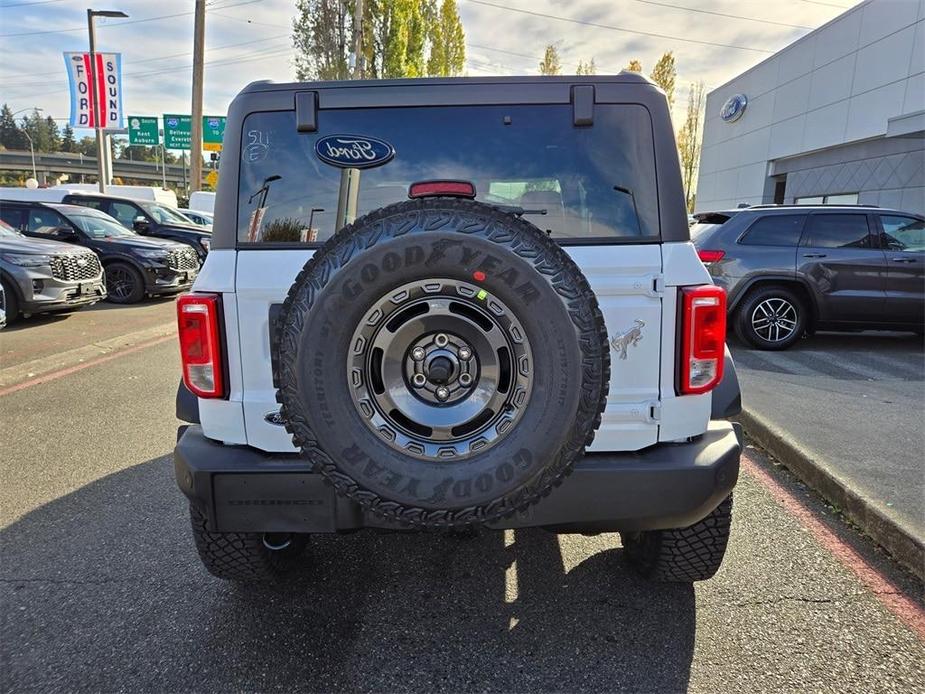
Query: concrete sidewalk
x,y
846,412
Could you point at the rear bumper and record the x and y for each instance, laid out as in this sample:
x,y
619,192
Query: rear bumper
x,y
666,486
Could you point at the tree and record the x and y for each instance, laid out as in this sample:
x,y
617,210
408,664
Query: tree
x,y
550,64
663,74
68,143
52,135
10,135
87,146
43,132
447,43
399,32
401,38
634,66
689,142
320,35
588,68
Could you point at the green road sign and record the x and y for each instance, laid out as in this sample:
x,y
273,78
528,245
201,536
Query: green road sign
x,y
178,131
213,130
142,130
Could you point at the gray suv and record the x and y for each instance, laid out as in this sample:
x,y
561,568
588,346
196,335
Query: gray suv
x,y
791,270
45,276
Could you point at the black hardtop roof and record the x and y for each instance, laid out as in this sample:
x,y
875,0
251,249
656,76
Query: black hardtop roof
x,y
624,77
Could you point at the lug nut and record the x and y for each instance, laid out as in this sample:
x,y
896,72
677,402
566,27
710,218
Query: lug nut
x,y
442,393
464,353
465,379
419,380
418,353
441,340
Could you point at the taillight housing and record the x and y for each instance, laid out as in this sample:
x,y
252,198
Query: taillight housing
x,y
707,256
703,338
198,325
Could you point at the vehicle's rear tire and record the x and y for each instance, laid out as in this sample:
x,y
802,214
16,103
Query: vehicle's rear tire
x,y
124,284
502,322
11,303
245,557
683,555
771,318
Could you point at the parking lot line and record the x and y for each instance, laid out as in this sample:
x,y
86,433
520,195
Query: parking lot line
x,y
887,593
52,375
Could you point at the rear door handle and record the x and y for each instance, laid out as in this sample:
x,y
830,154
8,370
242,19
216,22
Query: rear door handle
x,y
814,255
903,260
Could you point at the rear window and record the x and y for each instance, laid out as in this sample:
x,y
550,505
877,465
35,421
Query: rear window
x,y
593,183
837,231
775,230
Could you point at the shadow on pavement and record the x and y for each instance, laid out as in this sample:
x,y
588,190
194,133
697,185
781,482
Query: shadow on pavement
x,y
101,590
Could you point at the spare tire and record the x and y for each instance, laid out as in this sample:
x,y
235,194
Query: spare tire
x,y
442,362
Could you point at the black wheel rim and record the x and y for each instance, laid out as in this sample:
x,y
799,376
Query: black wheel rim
x,y
119,282
440,369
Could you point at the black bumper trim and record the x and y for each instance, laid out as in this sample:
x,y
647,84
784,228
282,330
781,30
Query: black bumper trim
x,y
187,404
666,486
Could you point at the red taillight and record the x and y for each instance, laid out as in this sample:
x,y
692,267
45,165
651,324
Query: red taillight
x,y
703,322
198,318
707,257
425,189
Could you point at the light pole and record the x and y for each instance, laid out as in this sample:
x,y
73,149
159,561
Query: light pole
x,y
311,218
100,144
34,109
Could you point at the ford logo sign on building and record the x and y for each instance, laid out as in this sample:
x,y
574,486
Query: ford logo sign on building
x,y
353,151
734,108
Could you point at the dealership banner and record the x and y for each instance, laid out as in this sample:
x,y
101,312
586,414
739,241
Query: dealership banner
x,y
108,85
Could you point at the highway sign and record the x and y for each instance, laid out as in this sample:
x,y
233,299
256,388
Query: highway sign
x,y
178,131
142,130
213,130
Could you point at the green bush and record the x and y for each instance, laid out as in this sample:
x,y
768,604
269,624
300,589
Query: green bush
x,y
284,230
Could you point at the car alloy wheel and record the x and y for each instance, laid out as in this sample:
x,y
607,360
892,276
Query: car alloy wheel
x,y
119,283
774,319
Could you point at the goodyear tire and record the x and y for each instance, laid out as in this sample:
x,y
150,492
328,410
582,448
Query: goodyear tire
x,y
443,363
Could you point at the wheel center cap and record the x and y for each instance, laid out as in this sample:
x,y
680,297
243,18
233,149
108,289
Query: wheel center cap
x,y
440,370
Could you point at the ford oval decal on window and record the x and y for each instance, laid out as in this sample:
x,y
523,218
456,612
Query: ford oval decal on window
x,y
353,151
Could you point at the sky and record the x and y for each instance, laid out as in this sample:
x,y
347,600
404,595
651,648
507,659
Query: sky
x,y
247,40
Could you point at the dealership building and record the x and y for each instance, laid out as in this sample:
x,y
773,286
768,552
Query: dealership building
x,y
836,117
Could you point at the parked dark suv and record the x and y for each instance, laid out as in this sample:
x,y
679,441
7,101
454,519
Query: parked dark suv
x,y
789,270
134,265
148,218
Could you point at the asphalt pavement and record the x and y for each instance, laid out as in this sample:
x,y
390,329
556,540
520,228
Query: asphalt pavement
x,y
101,590
856,403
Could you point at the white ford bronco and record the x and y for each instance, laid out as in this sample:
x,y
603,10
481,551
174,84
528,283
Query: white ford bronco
x,y
454,303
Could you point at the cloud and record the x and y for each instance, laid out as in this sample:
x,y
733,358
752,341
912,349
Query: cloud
x,y
246,41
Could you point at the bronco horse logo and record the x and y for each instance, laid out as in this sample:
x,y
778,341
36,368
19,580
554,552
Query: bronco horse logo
x,y
628,339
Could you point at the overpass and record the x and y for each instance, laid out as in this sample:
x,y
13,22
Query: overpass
x,y
48,165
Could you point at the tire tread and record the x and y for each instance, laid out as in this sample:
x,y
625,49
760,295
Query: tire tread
x,y
523,239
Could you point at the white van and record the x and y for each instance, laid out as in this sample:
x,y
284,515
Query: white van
x,y
202,201
167,197
33,194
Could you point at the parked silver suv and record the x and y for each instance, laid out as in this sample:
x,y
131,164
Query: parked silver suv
x,y
44,276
